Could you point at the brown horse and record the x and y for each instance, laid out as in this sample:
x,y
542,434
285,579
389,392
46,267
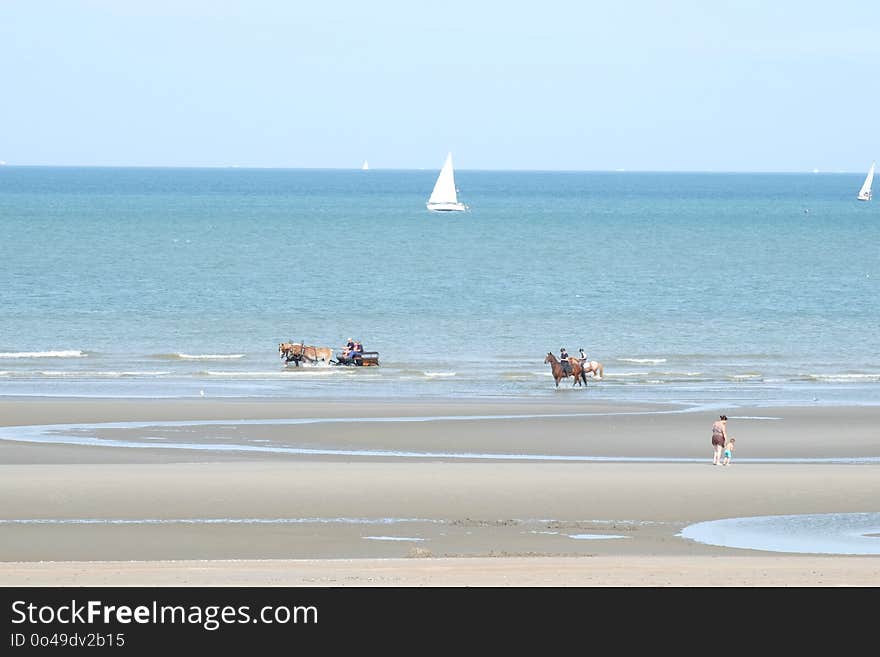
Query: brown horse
x,y
559,372
297,351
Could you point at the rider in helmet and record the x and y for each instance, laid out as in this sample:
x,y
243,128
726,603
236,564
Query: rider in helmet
x,y
563,360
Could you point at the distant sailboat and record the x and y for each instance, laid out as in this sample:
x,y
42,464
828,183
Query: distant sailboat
x,y
865,191
444,198
365,166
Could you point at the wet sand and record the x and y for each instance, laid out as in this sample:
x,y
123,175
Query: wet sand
x,y
156,516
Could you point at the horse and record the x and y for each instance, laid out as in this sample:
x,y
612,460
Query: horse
x,y
297,351
559,372
593,367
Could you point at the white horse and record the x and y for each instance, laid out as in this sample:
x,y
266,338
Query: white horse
x,y
593,368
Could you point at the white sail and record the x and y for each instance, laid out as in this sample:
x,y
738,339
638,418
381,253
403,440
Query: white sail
x,y
444,197
365,166
865,191
444,188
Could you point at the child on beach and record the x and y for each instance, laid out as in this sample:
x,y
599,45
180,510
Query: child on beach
x,y
728,452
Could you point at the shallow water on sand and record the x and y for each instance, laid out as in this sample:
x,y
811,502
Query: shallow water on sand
x,y
826,533
240,436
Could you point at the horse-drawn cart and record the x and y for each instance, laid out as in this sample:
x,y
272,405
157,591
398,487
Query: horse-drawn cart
x,y
299,353
365,359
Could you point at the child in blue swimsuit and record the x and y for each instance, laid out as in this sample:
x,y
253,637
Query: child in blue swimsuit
x,y
728,452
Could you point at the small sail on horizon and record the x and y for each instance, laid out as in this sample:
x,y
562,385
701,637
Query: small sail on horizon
x,y
865,191
444,197
365,166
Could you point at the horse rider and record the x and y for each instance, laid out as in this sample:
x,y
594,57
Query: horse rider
x,y
591,367
585,363
563,360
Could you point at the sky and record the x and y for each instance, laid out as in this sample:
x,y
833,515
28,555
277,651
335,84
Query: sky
x,y
554,85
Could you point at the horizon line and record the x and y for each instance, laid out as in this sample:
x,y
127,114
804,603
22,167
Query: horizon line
x,y
372,168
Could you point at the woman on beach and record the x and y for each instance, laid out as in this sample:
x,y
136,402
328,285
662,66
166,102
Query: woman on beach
x,y
719,438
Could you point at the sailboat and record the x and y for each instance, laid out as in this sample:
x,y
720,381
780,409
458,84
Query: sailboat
x,y
444,198
865,191
365,166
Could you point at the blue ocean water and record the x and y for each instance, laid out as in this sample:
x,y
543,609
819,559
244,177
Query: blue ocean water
x,y
728,288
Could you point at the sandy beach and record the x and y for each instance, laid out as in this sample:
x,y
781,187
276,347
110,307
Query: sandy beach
x,y
446,493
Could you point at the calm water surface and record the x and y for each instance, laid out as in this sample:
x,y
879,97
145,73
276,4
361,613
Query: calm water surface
x,y
729,288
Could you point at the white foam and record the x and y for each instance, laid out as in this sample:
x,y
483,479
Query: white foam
x,y
68,353
842,378
99,375
439,374
392,538
651,361
280,374
209,356
593,537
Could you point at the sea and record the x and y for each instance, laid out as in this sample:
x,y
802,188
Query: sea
x,y
699,288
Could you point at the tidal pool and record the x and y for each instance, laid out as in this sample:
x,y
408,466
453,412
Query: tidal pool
x,y
822,533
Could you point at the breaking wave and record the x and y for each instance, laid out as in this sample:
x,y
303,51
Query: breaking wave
x,y
182,356
101,374
840,378
67,353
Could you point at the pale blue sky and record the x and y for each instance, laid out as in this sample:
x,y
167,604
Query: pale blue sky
x,y
632,84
